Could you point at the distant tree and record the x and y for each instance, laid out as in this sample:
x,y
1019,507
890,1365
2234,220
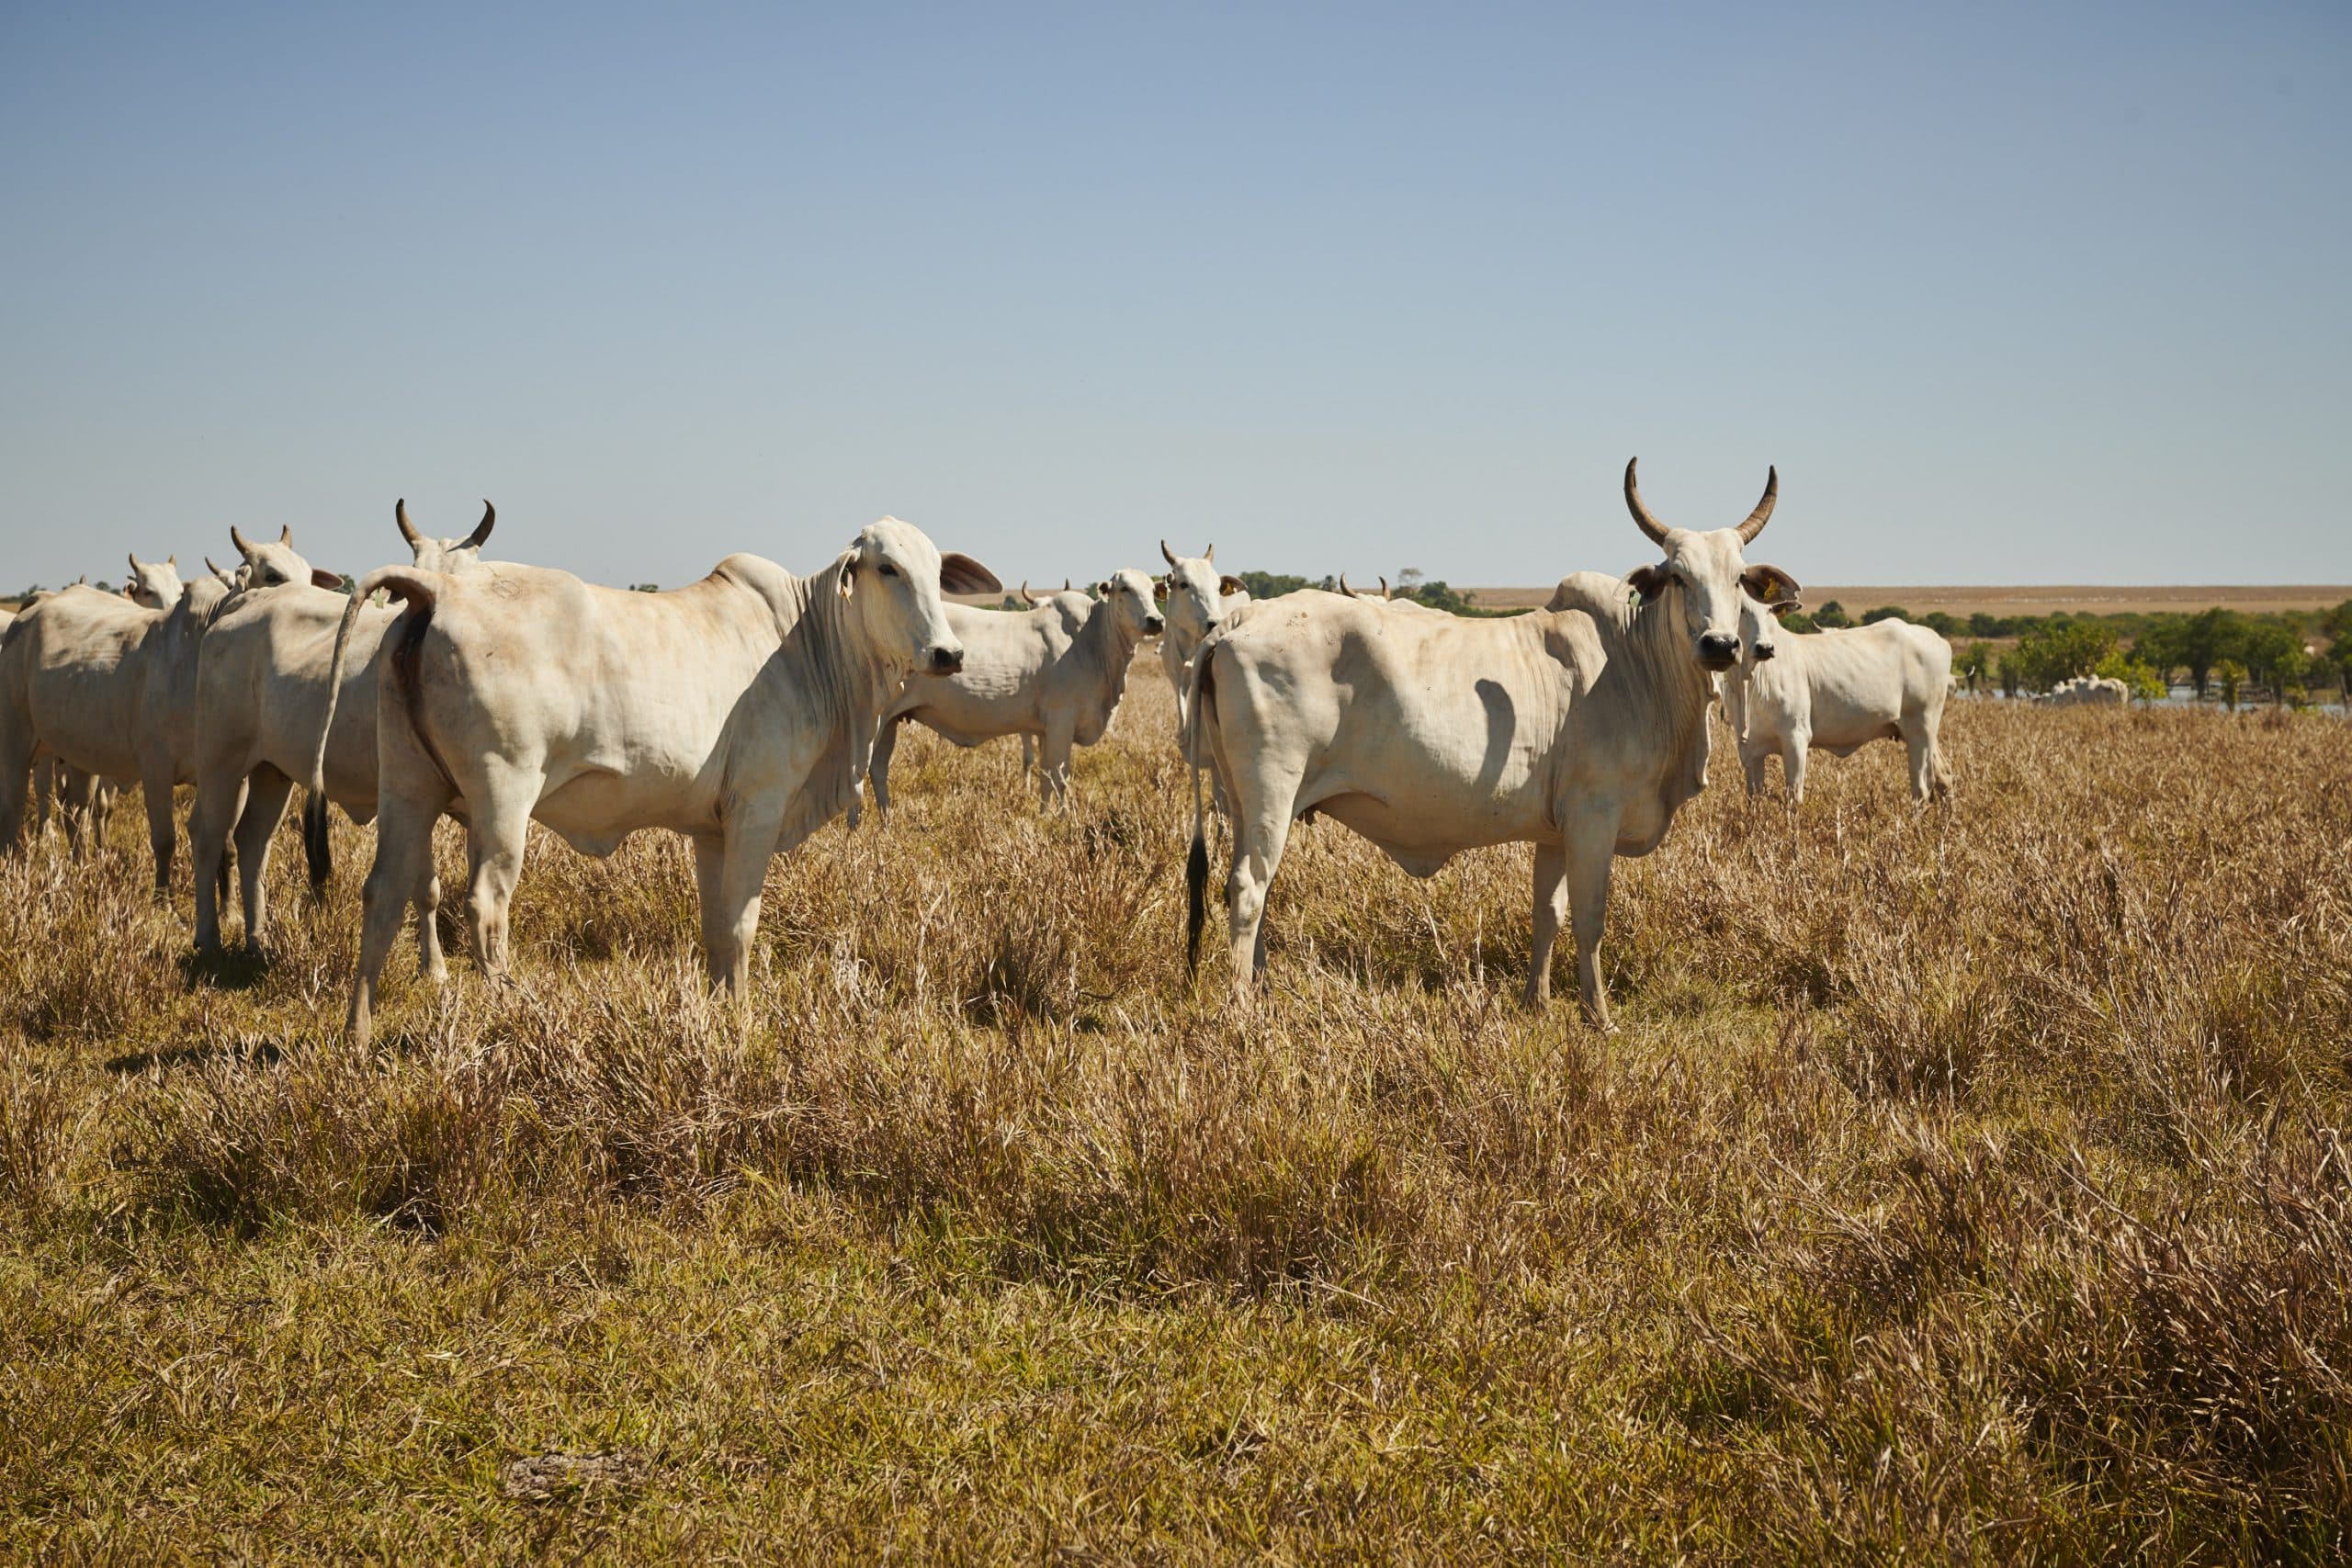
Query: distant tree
x,y
1983,624
1885,613
1832,615
2011,672
1943,626
2268,650
646,587
1408,577
103,586
1436,595
2230,675
1973,663
2062,649
2205,639
1269,585
2139,678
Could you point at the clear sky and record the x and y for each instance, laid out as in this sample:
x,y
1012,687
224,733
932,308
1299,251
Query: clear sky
x,y
2038,292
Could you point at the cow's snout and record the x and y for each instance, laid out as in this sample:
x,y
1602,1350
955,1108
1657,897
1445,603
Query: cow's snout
x,y
946,660
1153,626
1764,650
1718,650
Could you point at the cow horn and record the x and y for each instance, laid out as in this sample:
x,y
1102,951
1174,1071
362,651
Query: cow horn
x,y
1027,597
243,546
1065,583
211,568
1756,519
1383,588
1343,586
1209,555
133,559
1649,525
408,529
1168,554
285,533
480,535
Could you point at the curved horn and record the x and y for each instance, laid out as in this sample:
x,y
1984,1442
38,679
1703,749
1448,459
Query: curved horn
x,y
1383,588
1166,552
1065,583
285,533
480,535
1343,586
408,529
1649,525
244,547
211,568
1763,513
133,559
1209,555
1027,597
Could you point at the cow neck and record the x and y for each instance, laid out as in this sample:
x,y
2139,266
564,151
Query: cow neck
x,y
1100,634
834,667
1665,666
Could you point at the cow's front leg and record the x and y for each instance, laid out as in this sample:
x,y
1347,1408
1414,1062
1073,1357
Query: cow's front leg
x,y
1592,848
1053,769
877,768
1551,909
729,872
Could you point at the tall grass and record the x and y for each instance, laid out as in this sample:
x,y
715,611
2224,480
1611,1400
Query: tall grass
x,y
1966,1183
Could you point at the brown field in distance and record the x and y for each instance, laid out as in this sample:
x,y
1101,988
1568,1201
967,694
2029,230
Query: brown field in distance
x,y
2021,600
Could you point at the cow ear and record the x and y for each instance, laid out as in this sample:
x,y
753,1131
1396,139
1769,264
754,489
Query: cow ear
x,y
845,579
1159,591
1769,584
1101,590
322,578
1648,582
1231,585
960,573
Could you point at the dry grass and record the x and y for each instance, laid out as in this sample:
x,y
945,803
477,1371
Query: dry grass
x,y
1963,1185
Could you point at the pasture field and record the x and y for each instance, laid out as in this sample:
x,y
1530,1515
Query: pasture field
x,y
1968,1184
2022,599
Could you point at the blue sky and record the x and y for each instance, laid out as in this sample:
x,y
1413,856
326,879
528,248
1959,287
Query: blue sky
x,y
2010,293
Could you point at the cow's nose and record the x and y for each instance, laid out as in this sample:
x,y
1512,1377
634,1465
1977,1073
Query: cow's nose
x,y
1153,625
946,660
1718,650
1763,651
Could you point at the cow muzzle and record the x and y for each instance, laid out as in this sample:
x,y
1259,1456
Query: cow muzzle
x,y
1153,626
1718,650
1764,650
944,662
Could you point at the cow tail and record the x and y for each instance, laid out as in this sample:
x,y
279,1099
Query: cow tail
x,y
1196,863
420,590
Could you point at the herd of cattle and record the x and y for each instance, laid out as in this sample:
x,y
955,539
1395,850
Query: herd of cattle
x,y
746,710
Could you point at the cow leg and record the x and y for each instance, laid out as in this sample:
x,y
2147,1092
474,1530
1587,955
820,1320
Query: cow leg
x,y
1751,762
730,874
1793,749
163,834
16,774
1590,850
1053,767
42,780
1258,839
1028,753
1551,909
497,827
77,796
403,851
886,744
209,823
266,798
427,903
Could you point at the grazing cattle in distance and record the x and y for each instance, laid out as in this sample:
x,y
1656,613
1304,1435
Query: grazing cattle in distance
x,y
1581,729
106,686
739,711
1836,691
261,705
2087,690
1054,673
1196,598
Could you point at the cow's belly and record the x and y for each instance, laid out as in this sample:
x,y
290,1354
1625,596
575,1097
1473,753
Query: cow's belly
x,y
83,723
1421,828
595,810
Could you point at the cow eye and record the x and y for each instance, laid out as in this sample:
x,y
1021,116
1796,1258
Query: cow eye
x,y
889,570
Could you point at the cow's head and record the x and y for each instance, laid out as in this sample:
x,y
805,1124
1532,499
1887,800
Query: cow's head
x,y
153,585
270,565
893,578
1707,573
235,582
1193,592
1759,618
451,556
1131,595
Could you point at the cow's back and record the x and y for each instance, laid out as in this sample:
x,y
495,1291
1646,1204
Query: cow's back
x,y
82,656
262,689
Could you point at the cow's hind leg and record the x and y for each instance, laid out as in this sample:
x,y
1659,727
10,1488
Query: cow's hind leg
x,y
163,834
17,774
1260,829
498,824
210,821
403,850
1551,909
265,796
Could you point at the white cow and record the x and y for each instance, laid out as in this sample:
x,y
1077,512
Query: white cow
x,y
1580,729
2087,690
107,685
1054,673
79,796
739,711
1836,691
1196,598
261,704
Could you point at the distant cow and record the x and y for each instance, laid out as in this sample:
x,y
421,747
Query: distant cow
x,y
2087,690
739,711
1054,673
261,704
1580,729
1196,598
106,685
1836,692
